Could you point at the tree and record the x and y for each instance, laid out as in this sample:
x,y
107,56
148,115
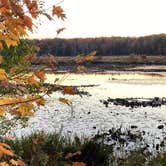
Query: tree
x,y
21,88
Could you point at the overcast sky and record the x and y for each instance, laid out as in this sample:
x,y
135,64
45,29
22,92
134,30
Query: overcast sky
x,y
96,18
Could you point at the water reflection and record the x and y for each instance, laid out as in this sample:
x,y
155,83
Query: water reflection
x,y
117,84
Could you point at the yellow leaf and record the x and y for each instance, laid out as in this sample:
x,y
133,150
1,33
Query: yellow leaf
x,y
25,109
1,59
3,75
5,100
80,68
9,42
79,59
13,37
2,112
65,101
90,56
21,30
40,101
14,162
3,164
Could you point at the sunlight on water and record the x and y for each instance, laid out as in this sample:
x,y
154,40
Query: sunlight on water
x,y
117,84
89,111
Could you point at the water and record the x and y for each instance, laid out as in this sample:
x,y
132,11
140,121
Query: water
x,y
88,116
118,84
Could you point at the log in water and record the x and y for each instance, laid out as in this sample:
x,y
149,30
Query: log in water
x,y
135,102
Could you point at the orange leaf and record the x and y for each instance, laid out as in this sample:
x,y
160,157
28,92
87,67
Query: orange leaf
x,y
29,58
69,155
48,16
35,141
5,150
1,46
60,30
52,62
34,11
69,90
5,145
78,164
17,162
52,59
13,70
77,153
65,101
40,74
21,163
28,22
58,11
32,80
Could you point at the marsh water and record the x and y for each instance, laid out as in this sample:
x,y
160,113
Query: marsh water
x,y
88,115
117,84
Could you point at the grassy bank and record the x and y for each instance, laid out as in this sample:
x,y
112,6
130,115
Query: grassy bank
x,y
42,149
116,63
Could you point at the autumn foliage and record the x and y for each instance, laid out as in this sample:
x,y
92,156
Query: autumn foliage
x,y
21,88
17,16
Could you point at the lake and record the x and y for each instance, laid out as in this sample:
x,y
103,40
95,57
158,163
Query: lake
x,y
88,115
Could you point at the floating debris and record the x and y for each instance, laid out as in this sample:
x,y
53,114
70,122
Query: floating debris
x,y
135,102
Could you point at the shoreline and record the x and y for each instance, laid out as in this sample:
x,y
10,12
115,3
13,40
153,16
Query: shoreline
x,y
155,63
147,69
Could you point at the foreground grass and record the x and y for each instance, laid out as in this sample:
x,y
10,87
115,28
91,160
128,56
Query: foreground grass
x,y
42,149
52,150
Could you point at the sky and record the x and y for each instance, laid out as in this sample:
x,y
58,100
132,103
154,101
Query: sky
x,y
105,18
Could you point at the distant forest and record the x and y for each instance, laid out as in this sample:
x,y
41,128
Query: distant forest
x,y
105,46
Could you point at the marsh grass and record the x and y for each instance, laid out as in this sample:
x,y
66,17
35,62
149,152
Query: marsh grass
x,y
41,149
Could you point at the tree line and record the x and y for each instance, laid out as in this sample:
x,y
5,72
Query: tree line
x,y
105,46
